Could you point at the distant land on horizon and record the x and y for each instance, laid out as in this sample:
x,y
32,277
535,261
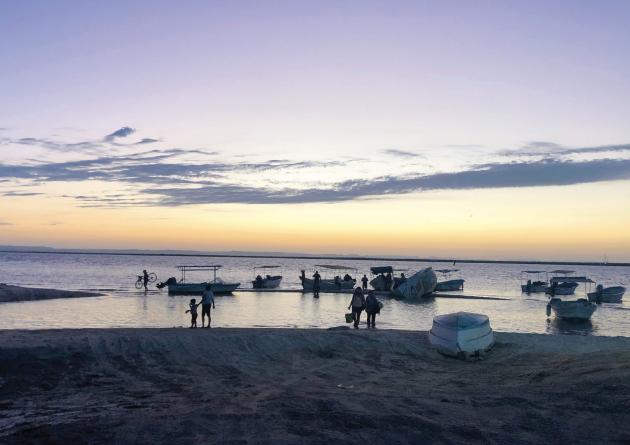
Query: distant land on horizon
x,y
288,255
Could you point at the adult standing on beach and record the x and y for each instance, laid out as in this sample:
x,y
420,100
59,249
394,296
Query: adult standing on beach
x,y
357,304
317,278
364,280
207,300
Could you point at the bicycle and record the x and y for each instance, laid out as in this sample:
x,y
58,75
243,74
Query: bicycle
x,y
140,280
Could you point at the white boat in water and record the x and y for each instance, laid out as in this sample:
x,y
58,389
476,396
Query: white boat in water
x,y
268,281
603,294
182,287
382,278
449,285
336,284
461,334
580,309
418,285
534,281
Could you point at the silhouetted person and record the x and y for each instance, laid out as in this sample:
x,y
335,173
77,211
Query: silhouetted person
x,y
207,301
364,280
317,278
145,278
193,312
259,282
357,304
388,280
372,307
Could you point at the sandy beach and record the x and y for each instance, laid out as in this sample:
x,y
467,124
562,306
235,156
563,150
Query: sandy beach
x,y
270,386
10,293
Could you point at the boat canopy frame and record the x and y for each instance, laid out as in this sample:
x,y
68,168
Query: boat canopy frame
x,y
197,268
381,269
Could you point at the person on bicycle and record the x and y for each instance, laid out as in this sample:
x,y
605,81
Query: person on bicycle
x,y
145,278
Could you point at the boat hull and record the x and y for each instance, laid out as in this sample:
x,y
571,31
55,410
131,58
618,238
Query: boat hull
x,y
608,295
450,285
328,285
199,288
580,309
461,334
379,283
418,285
534,288
562,289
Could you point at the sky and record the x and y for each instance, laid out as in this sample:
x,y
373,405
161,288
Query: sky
x,y
481,129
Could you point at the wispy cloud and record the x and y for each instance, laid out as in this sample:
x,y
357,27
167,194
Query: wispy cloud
x,y
17,193
5,223
147,141
120,133
402,153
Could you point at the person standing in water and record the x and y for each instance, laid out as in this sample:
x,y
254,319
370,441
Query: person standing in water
x,y
372,307
357,304
364,280
317,278
145,278
207,301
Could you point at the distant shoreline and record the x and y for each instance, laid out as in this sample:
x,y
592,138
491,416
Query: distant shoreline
x,y
327,257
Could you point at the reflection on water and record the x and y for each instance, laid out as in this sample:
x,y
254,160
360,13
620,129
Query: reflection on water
x,y
124,306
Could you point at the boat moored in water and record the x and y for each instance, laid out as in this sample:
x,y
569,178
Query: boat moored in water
x,y
534,281
579,310
382,280
219,286
336,284
564,282
603,294
269,281
449,285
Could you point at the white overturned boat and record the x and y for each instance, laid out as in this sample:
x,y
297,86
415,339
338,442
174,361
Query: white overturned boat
x,y
269,281
612,294
416,286
449,285
218,285
338,283
462,334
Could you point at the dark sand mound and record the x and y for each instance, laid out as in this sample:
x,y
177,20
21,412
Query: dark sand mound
x,y
9,293
271,386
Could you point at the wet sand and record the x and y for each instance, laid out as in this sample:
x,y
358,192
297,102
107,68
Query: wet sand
x,y
281,386
10,293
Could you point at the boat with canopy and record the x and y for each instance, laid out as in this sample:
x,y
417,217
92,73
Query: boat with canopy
x,y
337,283
563,282
182,287
534,281
580,309
268,281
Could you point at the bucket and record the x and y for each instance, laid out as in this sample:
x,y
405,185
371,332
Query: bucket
x,y
349,318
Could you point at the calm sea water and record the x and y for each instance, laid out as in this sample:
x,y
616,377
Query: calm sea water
x,y
124,306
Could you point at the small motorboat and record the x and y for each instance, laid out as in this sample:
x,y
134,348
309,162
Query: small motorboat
x,y
269,281
564,282
534,281
580,309
336,284
418,285
462,334
449,285
577,310
603,294
181,287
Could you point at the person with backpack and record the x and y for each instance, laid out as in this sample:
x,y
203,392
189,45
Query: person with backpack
x,y
357,304
372,307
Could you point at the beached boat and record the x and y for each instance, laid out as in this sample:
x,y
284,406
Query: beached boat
x,y
268,281
461,334
336,284
218,285
418,285
449,285
603,294
534,281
